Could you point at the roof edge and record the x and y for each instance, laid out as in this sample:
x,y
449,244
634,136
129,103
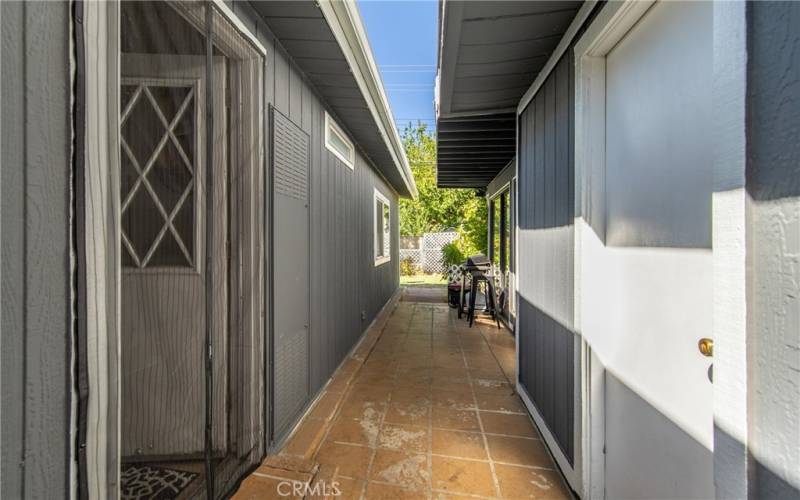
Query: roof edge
x,y
348,29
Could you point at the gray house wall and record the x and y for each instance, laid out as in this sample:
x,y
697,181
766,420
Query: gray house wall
x,y
773,246
545,276
36,250
347,290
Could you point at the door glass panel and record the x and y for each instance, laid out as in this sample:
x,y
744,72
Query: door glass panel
x,y
157,163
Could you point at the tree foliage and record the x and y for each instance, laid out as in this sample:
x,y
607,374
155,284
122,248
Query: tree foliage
x,y
437,209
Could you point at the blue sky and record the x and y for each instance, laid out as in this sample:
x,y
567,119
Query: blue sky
x,y
403,39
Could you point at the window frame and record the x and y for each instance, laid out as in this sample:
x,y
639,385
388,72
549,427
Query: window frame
x,y
380,197
331,125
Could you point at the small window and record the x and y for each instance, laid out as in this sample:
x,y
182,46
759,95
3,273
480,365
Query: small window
x,y
337,143
383,233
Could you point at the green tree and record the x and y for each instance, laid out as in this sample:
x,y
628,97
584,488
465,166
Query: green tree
x,y
437,209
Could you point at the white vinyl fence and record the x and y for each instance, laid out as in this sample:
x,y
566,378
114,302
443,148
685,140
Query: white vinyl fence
x,y
425,252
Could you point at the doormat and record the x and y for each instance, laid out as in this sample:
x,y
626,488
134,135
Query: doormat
x,y
141,481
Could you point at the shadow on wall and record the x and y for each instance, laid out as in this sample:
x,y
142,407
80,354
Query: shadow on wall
x,y
546,370
639,437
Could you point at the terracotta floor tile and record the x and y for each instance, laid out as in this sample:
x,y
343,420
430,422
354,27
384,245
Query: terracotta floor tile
x,y
305,439
456,400
511,424
411,438
349,489
372,391
262,488
458,444
519,451
355,407
462,476
290,475
346,430
411,394
440,372
491,386
325,406
447,418
500,402
399,468
494,373
521,482
413,378
404,412
353,461
377,491
375,378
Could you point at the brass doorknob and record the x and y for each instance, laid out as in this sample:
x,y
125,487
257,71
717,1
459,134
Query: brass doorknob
x,y
706,347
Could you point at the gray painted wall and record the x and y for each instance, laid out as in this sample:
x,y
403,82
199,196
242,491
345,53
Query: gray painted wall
x,y
773,242
545,275
347,290
36,278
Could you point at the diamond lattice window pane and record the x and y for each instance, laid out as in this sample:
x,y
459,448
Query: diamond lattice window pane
x,y
142,130
169,99
169,176
184,223
126,93
184,131
128,175
141,222
168,253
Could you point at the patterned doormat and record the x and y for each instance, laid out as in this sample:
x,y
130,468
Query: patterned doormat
x,y
141,481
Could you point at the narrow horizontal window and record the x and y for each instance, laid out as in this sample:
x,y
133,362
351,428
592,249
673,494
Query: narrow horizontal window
x,y
382,225
337,143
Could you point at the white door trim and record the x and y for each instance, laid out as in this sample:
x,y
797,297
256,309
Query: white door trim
x,y
102,242
611,24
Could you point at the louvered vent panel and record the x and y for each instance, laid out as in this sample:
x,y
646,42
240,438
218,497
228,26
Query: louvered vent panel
x,y
291,378
291,158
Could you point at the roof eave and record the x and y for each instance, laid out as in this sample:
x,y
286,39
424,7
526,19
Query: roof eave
x,y
348,30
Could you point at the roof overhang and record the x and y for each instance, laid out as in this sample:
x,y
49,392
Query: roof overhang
x,y
327,41
490,52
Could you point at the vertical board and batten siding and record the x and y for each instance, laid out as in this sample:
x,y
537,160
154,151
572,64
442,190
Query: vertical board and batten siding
x,y
773,244
347,289
36,250
545,246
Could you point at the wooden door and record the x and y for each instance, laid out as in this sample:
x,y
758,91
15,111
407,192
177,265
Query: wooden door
x,y
165,273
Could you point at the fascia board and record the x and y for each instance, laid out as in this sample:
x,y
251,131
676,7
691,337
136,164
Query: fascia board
x,y
345,23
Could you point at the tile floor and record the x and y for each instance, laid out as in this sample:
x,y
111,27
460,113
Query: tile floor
x,y
424,409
